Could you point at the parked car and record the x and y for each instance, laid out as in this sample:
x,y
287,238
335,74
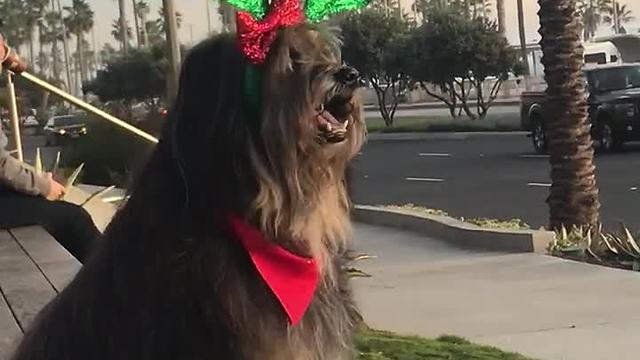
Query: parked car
x,y
614,107
64,128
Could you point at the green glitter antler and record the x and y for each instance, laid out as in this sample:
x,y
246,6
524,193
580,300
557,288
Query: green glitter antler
x,y
318,10
257,8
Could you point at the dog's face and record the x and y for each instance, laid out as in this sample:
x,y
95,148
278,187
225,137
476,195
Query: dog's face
x,y
311,95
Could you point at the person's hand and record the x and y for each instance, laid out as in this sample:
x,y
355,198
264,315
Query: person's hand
x,y
56,189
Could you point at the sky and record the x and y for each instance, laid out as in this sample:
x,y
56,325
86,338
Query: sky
x,y
195,18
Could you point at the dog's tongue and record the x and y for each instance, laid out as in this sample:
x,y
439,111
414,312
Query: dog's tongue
x,y
328,121
291,278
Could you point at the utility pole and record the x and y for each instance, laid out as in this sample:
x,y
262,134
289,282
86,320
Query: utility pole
x,y
174,47
208,17
65,48
523,43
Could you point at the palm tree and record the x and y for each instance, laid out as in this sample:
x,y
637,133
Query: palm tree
x,y
523,41
573,199
502,17
593,14
79,20
15,27
161,22
136,22
35,10
125,34
618,15
142,11
51,34
116,32
227,14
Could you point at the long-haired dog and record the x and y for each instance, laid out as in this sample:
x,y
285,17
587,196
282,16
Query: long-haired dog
x,y
169,281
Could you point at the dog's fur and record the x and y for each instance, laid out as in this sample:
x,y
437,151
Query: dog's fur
x,y
167,282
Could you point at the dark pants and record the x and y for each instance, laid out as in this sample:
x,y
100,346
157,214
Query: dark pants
x,y
69,224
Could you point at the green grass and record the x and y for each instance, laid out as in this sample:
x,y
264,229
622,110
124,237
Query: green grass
x,y
486,223
378,345
442,123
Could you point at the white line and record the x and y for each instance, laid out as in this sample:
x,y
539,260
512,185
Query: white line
x,y
534,156
424,179
534,184
435,154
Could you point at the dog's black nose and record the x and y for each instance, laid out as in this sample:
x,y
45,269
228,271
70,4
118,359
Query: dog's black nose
x,y
348,75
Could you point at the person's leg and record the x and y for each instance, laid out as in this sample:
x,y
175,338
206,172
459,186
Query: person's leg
x,y
69,224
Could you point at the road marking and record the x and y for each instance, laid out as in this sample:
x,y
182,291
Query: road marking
x,y
534,184
534,156
634,188
424,179
435,154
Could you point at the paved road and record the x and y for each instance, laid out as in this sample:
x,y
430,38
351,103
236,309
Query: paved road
x,y
510,109
494,176
545,307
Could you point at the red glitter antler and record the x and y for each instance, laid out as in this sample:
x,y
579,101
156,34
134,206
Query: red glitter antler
x,y
257,36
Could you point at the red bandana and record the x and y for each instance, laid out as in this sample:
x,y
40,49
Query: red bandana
x,y
291,278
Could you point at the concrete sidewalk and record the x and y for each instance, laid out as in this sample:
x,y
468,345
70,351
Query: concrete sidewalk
x,y
537,305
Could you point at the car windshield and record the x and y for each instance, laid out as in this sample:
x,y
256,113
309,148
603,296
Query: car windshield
x,y
67,121
618,78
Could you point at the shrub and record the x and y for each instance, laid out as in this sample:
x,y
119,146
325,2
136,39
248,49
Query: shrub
x,y
110,154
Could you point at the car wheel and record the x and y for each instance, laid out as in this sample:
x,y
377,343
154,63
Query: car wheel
x,y
539,136
608,138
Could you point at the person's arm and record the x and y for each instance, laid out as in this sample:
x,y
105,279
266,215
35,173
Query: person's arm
x,y
20,176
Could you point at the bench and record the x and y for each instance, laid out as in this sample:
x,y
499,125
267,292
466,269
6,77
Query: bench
x,y
33,269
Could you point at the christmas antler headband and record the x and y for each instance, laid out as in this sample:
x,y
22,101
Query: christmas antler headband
x,y
258,24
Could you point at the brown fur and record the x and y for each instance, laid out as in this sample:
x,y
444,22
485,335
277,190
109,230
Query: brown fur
x,y
168,282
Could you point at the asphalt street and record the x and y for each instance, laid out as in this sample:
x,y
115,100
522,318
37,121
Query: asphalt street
x,y
493,176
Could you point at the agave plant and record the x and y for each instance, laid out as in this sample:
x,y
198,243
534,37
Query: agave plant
x,y
70,181
353,271
581,243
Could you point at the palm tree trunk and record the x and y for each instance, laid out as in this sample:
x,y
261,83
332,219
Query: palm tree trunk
x,y
81,63
501,17
55,65
523,41
136,22
123,26
31,51
145,33
573,199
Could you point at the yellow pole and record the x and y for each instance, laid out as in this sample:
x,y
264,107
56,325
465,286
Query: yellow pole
x,y
15,121
88,107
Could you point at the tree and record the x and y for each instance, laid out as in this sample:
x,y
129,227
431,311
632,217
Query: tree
x,y
617,16
370,39
136,22
502,17
227,15
116,32
573,199
15,27
142,12
593,13
122,20
79,20
161,22
139,75
34,11
457,56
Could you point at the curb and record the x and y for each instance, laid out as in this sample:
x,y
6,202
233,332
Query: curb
x,y
439,135
459,233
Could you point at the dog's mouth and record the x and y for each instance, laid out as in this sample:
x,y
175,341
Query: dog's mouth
x,y
335,116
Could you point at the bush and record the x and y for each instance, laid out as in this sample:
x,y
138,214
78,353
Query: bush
x,y
110,154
